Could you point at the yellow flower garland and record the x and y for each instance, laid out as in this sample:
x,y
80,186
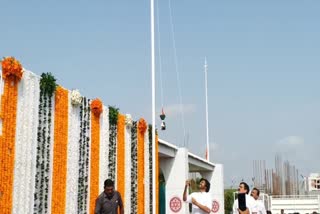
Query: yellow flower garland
x,y
60,151
7,142
142,127
121,156
95,152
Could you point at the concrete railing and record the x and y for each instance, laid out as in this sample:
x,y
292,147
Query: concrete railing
x,y
295,204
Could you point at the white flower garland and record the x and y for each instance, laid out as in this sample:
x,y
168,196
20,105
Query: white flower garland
x,y
128,168
112,165
50,156
146,172
42,193
134,169
20,147
76,97
27,166
27,119
150,169
151,183
32,159
129,120
88,163
38,152
73,158
84,155
104,147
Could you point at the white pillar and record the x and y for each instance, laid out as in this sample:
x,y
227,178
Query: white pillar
x,y
175,171
216,188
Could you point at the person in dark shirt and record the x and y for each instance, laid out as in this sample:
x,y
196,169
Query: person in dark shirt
x,y
109,200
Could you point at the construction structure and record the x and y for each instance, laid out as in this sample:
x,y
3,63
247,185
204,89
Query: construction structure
x,y
283,180
281,188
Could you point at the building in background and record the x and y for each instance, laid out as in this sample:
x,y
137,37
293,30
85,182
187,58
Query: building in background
x,y
313,186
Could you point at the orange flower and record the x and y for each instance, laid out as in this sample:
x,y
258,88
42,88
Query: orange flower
x,y
121,155
7,142
60,154
95,154
142,126
11,66
96,107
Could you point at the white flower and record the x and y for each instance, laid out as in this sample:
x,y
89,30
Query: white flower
x,y
128,120
76,97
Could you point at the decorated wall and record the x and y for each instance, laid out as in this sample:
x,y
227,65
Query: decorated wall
x,y
57,147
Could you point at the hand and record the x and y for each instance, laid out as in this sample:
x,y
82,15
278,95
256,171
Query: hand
x,y
187,183
194,201
243,212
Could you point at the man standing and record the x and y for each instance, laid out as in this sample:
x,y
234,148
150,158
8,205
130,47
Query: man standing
x,y
109,200
201,201
244,188
259,206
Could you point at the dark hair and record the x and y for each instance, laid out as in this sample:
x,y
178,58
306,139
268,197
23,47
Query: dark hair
x,y
258,191
246,187
108,183
207,184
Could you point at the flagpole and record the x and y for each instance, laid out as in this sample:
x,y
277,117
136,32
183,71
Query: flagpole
x,y
153,109
207,120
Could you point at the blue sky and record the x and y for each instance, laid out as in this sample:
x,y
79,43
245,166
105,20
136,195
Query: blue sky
x,y
263,57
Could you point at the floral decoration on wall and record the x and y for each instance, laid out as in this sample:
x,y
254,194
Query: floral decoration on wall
x,y
76,97
11,67
96,107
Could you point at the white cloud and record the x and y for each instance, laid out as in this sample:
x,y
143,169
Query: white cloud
x,y
291,141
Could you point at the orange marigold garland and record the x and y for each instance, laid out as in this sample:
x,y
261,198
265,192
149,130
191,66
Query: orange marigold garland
x,y
11,67
121,155
60,151
142,127
7,139
96,107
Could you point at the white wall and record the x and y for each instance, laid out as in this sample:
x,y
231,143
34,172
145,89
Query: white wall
x,y
217,187
175,171
301,204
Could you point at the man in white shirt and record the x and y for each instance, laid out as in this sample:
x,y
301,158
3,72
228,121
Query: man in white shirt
x,y
244,188
201,201
259,206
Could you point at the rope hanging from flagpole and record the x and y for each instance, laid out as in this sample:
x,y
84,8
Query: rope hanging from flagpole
x,y
159,52
177,74
162,115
